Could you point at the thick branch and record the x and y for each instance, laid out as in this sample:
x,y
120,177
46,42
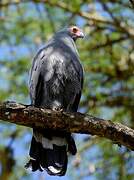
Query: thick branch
x,y
70,122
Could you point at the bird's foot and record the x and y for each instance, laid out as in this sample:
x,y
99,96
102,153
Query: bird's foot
x,y
57,109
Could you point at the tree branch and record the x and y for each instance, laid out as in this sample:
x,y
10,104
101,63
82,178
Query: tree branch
x,y
70,122
110,43
63,6
132,2
123,27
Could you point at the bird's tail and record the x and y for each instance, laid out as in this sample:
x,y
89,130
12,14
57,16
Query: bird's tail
x,y
49,152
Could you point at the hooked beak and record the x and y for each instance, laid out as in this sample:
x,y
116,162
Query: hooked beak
x,y
80,34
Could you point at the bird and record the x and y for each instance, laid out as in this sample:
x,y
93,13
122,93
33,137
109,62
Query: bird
x,y
56,82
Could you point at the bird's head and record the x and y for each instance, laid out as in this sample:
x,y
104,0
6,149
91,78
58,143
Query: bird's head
x,y
75,32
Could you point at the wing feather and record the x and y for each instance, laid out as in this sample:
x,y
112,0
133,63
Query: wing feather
x,y
35,80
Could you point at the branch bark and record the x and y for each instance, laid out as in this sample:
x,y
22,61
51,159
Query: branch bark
x,y
70,122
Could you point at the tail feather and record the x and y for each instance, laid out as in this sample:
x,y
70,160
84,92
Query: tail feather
x,y
35,149
71,145
33,165
48,154
56,160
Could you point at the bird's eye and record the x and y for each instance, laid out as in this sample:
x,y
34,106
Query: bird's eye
x,y
75,30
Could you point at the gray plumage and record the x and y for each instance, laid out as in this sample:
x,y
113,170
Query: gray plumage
x,y
56,81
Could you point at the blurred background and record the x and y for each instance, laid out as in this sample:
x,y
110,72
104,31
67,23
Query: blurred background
x,y
107,55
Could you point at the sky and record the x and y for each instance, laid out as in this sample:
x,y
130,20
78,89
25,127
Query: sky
x,y
21,144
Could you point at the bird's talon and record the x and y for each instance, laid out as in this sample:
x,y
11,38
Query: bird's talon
x,y
58,109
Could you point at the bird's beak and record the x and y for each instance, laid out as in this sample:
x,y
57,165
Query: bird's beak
x,y
80,34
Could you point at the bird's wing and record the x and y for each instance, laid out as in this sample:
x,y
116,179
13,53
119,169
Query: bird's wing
x,y
34,77
35,80
78,94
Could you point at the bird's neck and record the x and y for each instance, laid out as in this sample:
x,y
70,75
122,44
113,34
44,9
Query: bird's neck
x,y
71,43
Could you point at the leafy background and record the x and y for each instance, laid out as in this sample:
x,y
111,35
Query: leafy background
x,y
107,54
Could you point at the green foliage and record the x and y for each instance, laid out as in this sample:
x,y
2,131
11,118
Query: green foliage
x,y
107,54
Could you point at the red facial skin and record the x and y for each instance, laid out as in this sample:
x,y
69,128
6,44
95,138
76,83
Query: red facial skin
x,y
76,32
